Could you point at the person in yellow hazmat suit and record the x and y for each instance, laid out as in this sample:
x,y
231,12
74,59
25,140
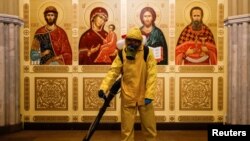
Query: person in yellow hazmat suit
x,y
138,86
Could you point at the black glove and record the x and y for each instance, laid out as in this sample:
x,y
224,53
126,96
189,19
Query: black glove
x,y
101,94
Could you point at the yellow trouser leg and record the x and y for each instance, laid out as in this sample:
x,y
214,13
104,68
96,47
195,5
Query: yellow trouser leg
x,y
148,122
127,123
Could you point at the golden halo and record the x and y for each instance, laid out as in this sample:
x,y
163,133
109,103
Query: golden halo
x,y
85,17
58,7
203,5
143,5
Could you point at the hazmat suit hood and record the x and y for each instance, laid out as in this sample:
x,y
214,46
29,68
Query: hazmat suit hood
x,y
133,42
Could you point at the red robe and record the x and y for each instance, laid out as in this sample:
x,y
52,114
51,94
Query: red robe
x,y
196,39
60,44
90,40
107,50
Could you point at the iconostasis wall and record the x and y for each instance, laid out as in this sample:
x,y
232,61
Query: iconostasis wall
x,y
61,84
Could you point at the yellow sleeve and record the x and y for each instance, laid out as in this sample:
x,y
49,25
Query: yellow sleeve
x,y
112,75
151,83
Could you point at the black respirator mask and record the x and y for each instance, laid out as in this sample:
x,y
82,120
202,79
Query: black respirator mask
x,y
132,47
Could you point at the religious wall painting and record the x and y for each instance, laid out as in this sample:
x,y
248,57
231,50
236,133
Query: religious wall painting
x,y
152,19
50,43
196,43
155,38
97,44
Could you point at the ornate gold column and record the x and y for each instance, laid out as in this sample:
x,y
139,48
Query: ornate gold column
x,y
10,70
238,24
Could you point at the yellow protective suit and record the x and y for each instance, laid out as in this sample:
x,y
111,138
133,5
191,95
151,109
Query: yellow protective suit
x,y
138,82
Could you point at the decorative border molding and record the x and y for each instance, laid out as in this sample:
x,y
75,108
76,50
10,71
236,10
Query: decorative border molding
x,y
26,14
26,52
26,68
75,31
26,94
220,93
221,69
172,94
172,118
75,93
26,32
237,19
220,118
221,15
95,68
75,118
161,68
103,119
197,69
51,69
159,102
50,118
220,48
105,68
196,118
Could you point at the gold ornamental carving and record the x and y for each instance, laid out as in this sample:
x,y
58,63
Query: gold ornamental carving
x,y
26,48
75,118
196,93
95,68
26,118
221,16
220,48
103,119
171,68
196,118
26,94
171,118
51,118
196,69
172,94
220,118
159,98
160,118
51,93
26,32
75,31
50,69
75,93
172,45
220,69
161,68
26,68
91,101
26,15
220,93
75,68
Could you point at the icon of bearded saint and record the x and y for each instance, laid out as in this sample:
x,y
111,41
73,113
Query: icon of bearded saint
x,y
50,45
196,44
